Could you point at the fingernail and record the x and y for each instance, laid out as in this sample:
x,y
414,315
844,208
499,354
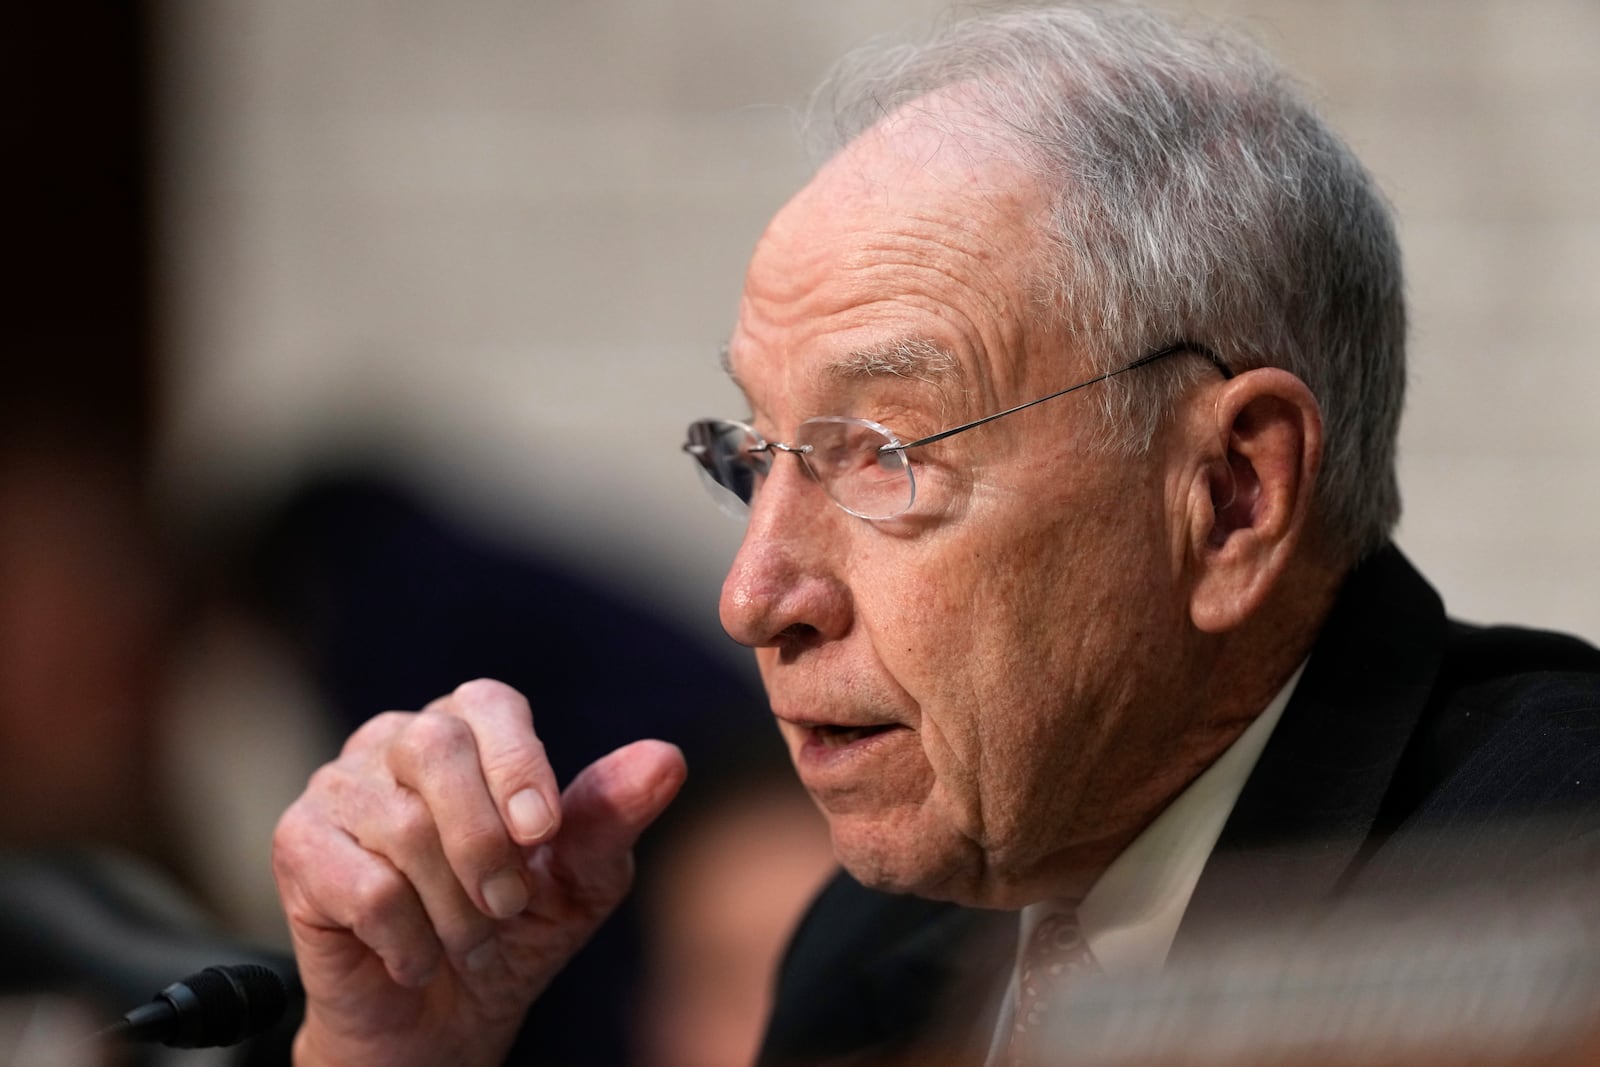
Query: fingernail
x,y
530,815
505,894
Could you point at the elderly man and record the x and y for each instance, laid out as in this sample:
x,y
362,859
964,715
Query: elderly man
x,y
1073,379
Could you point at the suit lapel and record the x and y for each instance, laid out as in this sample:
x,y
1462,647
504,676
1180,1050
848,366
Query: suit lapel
x,y
872,978
1325,771
939,984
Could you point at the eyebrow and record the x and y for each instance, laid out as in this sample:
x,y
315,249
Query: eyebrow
x,y
914,358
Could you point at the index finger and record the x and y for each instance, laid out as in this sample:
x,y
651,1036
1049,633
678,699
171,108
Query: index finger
x,y
513,759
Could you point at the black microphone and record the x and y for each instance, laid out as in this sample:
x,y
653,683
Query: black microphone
x,y
212,1008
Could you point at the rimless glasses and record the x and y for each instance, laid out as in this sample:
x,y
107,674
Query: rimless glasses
x,y
860,464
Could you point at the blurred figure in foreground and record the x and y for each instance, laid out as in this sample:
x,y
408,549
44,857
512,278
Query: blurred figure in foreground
x,y
1469,975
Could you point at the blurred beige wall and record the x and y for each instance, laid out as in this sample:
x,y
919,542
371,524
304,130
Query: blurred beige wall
x,y
506,237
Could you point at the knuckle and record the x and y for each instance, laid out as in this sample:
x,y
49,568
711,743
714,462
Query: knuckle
x,y
286,833
610,884
411,825
596,890
514,768
414,966
488,694
287,836
482,847
298,837
432,738
326,780
374,897
377,731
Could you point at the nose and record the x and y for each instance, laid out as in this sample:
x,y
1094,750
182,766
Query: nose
x,y
785,587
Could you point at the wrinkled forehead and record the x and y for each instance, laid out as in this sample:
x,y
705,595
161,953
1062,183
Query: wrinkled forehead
x,y
913,252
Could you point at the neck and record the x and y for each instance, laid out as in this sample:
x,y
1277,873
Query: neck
x,y
1223,684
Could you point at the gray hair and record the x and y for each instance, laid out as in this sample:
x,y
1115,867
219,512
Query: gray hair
x,y
1196,197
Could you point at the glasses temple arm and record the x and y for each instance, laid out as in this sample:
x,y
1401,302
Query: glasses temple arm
x,y
1161,353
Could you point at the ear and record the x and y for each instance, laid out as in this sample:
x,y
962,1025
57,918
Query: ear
x,y
1260,448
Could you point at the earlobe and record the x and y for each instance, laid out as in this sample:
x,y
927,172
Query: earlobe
x,y
1268,431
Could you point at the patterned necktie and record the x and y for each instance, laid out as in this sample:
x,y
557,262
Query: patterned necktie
x,y
1055,952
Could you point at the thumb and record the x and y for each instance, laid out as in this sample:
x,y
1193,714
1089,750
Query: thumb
x,y
603,812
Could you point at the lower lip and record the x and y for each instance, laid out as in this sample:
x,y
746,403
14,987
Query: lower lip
x,y
824,753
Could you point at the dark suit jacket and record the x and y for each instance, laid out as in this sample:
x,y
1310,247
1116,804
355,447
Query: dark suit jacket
x,y
1416,751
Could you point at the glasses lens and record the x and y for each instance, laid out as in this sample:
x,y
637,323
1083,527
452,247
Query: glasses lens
x,y
847,457
721,449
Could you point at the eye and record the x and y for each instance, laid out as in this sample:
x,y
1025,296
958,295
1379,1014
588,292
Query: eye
x,y
847,456
841,448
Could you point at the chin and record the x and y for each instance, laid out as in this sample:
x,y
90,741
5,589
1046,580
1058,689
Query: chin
x,y
934,863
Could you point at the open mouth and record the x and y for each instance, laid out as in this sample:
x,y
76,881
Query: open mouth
x,y
839,736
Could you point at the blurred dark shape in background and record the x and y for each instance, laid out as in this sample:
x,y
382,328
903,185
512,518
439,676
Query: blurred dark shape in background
x,y
76,123
723,878
90,605
392,602
86,603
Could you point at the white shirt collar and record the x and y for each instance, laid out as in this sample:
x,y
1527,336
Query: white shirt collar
x,y
1131,915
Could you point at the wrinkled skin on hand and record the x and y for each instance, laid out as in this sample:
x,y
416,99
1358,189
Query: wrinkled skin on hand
x,y
435,881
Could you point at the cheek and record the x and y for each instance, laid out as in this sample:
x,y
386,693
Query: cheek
x,y
955,645
984,624
1020,646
